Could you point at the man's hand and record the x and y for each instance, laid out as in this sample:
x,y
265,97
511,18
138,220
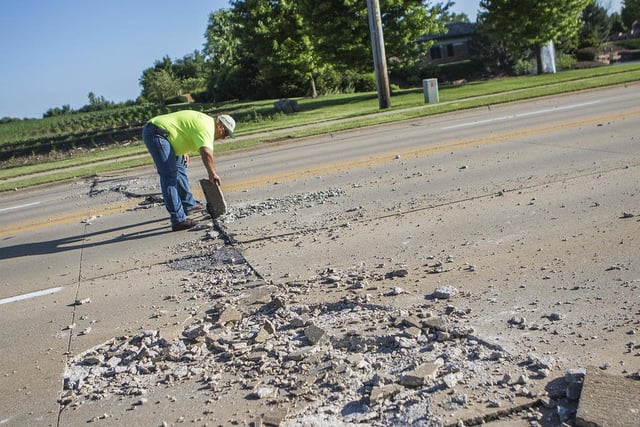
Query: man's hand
x,y
215,179
185,157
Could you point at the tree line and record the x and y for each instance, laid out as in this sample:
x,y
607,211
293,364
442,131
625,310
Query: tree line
x,y
264,49
267,49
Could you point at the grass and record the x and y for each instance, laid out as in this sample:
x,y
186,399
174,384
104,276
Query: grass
x,y
259,124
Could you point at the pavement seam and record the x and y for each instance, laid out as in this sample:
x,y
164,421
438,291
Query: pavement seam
x,y
73,319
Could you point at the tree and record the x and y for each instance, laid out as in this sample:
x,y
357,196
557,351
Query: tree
x,y
404,22
341,32
158,85
273,48
225,57
596,26
630,12
191,66
221,47
531,24
96,103
57,111
167,78
617,27
277,43
490,54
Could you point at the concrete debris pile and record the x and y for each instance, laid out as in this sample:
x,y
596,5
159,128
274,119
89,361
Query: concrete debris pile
x,y
282,204
347,361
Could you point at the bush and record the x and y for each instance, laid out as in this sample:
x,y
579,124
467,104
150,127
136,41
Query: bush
x,y
523,67
457,70
202,97
629,44
565,61
331,81
180,99
587,54
328,82
429,71
363,82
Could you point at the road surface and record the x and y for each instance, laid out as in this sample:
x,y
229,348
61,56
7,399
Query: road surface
x,y
529,210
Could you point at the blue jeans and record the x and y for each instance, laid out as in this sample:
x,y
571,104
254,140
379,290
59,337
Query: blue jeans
x,y
173,174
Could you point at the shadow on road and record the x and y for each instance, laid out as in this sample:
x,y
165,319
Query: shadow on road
x,y
82,241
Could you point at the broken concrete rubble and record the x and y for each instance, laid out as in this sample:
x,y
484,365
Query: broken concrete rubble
x,y
373,359
352,358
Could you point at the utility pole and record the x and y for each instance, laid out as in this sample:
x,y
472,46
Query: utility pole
x,y
379,56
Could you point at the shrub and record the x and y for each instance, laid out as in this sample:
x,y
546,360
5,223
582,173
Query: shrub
x,y
565,61
524,67
328,82
363,82
331,81
629,44
587,54
180,99
429,71
457,70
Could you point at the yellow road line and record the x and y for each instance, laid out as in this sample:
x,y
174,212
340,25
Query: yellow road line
x,y
425,150
341,166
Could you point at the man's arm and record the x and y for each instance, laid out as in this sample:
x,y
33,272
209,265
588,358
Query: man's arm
x,y
206,154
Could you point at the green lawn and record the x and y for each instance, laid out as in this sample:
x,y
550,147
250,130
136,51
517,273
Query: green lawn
x,y
315,116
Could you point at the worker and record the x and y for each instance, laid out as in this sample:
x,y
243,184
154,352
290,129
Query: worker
x,y
170,138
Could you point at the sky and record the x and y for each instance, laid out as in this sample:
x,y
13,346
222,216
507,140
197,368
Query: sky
x,y
55,52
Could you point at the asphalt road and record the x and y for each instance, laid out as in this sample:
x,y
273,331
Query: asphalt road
x,y
538,196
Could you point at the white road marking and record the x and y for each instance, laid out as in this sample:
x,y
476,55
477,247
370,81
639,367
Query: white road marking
x,y
19,206
30,295
532,113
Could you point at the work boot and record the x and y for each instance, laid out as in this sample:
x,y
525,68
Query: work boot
x,y
184,225
198,207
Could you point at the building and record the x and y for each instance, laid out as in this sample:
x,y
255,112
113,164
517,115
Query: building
x,y
451,46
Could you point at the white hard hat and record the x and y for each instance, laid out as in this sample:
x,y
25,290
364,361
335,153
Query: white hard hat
x,y
228,123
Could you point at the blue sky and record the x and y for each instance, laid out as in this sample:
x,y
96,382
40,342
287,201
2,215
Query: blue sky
x,y
55,52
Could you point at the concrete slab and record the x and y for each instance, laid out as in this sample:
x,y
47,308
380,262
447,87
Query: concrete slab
x,y
127,240
216,204
608,400
129,302
104,244
55,251
34,339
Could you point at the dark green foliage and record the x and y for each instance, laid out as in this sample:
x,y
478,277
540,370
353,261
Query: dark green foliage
x,y
56,111
587,54
596,26
631,44
168,79
271,49
544,21
180,99
492,55
630,13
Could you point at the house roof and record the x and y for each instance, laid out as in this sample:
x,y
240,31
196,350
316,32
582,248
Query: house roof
x,y
454,30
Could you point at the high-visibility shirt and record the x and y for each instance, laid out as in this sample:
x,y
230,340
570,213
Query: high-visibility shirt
x,y
188,130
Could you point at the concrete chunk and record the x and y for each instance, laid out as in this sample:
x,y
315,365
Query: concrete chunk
x,y
422,375
607,400
229,315
315,334
216,204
